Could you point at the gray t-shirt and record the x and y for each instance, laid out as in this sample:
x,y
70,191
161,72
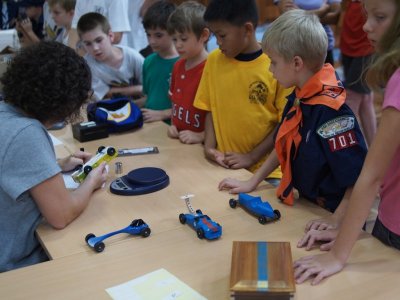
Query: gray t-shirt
x,y
104,77
27,158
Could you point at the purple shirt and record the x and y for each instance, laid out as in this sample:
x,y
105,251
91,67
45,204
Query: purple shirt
x,y
389,208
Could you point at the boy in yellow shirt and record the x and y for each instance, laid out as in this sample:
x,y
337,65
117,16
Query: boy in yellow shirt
x,y
243,100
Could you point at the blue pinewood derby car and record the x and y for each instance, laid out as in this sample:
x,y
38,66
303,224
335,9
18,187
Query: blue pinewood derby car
x,y
137,227
254,205
202,224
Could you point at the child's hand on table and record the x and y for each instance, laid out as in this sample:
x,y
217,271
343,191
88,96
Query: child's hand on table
x,y
191,137
238,160
235,186
317,266
315,237
217,156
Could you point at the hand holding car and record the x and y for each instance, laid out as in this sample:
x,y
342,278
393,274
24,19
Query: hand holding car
x,y
72,161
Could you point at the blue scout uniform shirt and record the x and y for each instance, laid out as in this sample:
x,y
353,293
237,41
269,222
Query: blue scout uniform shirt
x,y
330,155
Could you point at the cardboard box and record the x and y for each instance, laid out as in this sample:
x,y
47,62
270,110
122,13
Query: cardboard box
x,y
262,270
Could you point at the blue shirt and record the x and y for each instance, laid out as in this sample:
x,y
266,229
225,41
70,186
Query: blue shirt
x,y
330,155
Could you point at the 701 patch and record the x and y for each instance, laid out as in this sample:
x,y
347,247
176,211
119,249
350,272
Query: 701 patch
x,y
342,141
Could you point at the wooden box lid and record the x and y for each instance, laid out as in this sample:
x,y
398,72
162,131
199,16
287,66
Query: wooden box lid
x,y
262,268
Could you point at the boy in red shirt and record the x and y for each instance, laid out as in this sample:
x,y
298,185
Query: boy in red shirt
x,y
189,33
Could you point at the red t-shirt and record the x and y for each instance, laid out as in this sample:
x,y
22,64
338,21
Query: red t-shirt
x,y
184,84
353,40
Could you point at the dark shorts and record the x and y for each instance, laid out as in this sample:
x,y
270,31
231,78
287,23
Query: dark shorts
x,y
385,235
354,73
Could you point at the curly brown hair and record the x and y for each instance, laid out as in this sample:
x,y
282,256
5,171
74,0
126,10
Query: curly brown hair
x,y
48,81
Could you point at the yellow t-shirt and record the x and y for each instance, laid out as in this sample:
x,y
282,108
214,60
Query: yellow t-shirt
x,y
245,100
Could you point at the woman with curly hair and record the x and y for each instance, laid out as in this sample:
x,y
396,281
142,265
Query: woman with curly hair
x,y
44,84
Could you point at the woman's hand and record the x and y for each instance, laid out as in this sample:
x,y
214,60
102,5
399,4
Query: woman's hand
x,y
71,162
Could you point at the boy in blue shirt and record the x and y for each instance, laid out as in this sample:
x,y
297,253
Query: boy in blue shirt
x,y
157,67
319,144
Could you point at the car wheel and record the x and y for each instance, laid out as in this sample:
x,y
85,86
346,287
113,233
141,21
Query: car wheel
x,y
200,233
232,203
182,218
262,220
101,148
111,151
89,236
145,232
277,214
99,247
87,169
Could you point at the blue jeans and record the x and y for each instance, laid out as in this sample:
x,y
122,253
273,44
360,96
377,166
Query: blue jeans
x,y
385,235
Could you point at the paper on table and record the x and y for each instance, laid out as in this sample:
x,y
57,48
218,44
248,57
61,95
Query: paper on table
x,y
69,182
55,140
157,285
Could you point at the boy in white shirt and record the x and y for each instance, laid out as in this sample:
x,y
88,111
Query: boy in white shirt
x,y
62,12
115,69
116,12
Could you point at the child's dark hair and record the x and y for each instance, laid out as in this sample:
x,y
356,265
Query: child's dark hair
x,y
91,21
236,12
48,81
157,15
188,17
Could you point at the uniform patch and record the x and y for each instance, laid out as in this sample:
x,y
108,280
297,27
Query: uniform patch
x,y
331,91
336,126
342,141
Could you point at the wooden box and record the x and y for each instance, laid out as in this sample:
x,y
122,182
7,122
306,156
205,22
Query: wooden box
x,y
262,270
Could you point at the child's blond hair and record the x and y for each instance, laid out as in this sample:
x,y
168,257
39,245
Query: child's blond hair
x,y
68,5
297,33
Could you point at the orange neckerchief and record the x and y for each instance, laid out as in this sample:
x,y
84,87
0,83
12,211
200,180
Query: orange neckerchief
x,y
322,88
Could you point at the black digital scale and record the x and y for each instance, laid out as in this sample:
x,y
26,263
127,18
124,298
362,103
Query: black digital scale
x,y
140,181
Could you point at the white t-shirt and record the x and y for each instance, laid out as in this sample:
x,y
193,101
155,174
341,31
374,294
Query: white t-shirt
x,y
136,38
116,11
104,76
49,26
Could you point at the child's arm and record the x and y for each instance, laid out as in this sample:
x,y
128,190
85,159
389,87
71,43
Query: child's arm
x,y
210,142
332,15
132,90
379,157
238,160
25,27
141,101
173,132
150,115
59,206
236,186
